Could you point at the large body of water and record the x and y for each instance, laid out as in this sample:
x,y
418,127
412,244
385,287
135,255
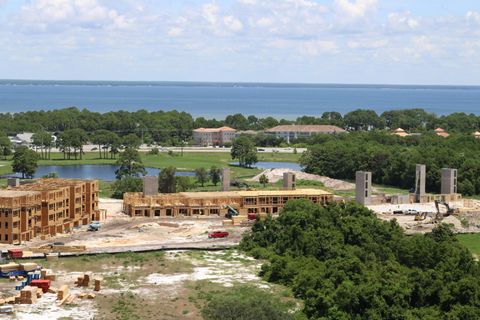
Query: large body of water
x,y
220,99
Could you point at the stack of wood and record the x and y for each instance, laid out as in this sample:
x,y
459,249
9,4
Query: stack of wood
x,y
28,295
83,281
97,284
63,293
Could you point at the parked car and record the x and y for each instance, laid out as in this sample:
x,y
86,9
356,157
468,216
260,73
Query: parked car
x,y
218,234
411,212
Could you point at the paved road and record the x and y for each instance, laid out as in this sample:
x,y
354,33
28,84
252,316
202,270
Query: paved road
x,y
145,148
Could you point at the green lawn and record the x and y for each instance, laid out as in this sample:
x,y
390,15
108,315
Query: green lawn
x,y
471,241
188,162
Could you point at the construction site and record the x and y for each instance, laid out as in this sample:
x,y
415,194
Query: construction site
x,y
54,221
46,207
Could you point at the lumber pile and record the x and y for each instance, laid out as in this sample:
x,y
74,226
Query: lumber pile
x,y
28,295
97,284
12,266
83,281
63,293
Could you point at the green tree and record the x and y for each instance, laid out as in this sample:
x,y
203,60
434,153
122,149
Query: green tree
x,y
126,184
215,175
101,138
132,141
246,304
167,182
130,164
201,175
183,184
5,146
263,180
244,150
72,141
25,161
44,141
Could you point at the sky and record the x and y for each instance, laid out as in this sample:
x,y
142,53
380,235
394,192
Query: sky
x,y
292,41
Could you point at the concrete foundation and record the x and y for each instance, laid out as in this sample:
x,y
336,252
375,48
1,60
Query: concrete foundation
x,y
150,185
449,181
420,178
225,179
289,181
363,187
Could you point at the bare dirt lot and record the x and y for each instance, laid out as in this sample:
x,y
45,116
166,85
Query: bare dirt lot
x,y
154,285
121,232
466,220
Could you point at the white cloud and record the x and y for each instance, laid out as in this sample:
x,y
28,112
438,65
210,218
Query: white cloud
x,y
233,23
473,16
355,9
402,21
56,14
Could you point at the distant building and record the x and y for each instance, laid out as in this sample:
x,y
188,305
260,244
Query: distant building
x,y
476,135
213,136
441,133
292,132
22,139
400,132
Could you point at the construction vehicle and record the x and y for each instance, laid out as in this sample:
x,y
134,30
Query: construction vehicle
x,y
441,215
421,216
94,226
231,211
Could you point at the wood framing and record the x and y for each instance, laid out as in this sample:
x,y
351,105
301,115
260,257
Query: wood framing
x,y
46,207
217,203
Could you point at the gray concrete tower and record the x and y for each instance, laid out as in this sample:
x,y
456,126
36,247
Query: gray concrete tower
x,y
289,181
150,185
363,187
449,181
225,179
420,178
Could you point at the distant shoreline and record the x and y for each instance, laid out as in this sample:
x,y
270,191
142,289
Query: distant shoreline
x,y
227,84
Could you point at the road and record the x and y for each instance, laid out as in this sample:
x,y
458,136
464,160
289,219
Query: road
x,y
145,148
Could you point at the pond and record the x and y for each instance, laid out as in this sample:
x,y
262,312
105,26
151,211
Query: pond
x,y
274,165
92,171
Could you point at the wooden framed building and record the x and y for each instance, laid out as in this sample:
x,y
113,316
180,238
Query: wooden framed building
x,y
46,207
217,203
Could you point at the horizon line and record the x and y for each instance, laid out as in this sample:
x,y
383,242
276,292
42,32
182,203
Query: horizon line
x,y
245,83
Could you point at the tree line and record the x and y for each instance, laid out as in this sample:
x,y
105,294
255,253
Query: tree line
x,y
392,159
344,263
173,127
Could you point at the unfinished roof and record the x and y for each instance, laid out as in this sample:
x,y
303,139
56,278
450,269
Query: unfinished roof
x,y
306,128
234,194
205,130
16,193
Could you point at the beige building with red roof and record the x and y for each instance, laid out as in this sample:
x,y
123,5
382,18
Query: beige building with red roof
x,y
213,136
400,132
293,132
442,133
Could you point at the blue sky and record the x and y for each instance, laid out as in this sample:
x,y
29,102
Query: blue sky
x,y
323,41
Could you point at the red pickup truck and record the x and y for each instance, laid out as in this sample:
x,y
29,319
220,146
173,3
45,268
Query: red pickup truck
x,y
218,234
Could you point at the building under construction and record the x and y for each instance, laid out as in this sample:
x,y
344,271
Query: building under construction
x,y
217,203
46,207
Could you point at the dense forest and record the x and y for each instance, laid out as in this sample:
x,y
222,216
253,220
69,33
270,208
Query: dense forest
x,y
161,126
344,263
392,159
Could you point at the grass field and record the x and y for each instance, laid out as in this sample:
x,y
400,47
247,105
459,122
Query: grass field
x,y
188,162
471,241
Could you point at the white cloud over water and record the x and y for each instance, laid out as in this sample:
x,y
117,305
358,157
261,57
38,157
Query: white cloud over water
x,y
240,40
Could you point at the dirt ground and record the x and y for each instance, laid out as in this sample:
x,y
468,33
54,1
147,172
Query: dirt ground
x,y
275,175
121,231
467,220
155,285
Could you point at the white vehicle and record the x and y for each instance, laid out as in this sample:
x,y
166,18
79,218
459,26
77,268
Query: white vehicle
x,y
411,212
